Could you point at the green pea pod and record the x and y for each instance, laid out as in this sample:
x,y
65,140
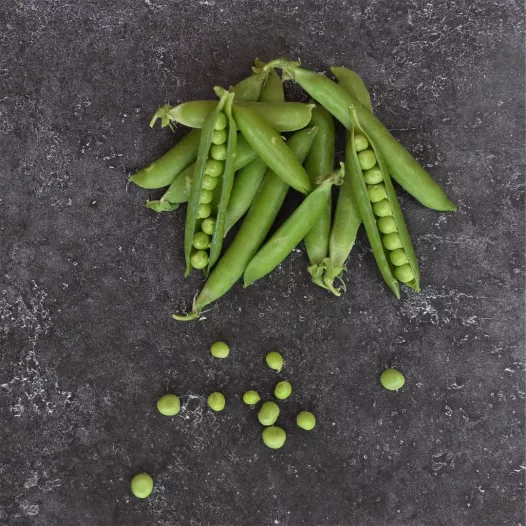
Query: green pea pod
x,y
164,170
249,89
292,231
401,164
319,162
366,210
179,191
272,90
269,145
255,227
353,83
282,116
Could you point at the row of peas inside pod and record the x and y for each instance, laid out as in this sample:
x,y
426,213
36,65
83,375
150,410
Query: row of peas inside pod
x,y
249,149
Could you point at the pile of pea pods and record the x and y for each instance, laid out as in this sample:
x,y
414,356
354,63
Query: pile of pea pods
x,y
249,148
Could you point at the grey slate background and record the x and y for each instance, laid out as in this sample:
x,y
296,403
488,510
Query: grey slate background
x,y
89,278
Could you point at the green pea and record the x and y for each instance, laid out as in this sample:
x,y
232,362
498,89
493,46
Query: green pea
x,y
382,208
203,210
373,176
360,143
221,121
201,241
386,225
199,259
206,196
209,182
219,350
169,405
219,136
218,152
398,257
306,420
208,226
213,168
274,437
268,413
376,192
392,379
251,398
367,159
392,241
141,485
282,390
274,361
404,273
216,401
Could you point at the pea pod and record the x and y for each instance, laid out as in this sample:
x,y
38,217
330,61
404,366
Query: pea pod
x,y
292,231
272,90
364,199
249,89
252,233
400,163
353,83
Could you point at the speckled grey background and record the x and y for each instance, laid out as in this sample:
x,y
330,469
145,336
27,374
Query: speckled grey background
x,y
89,278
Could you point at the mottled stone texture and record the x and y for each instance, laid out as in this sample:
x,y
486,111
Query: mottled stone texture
x,y
89,278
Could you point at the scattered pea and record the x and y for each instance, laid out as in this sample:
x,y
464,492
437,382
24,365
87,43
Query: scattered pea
x,y
219,136
404,273
199,259
221,122
141,485
268,413
360,142
220,350
203,210
209,182
218,152
274,437
213,168
274,361
367,159
382,208
373,176
392,241
251,398
169,405
306,420
387,225
392,379
208,226
376,193
282,390
206,196
216,401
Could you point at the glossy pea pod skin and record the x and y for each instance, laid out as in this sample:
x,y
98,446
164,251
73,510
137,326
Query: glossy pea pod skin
x,y
255,227
367,214
400,163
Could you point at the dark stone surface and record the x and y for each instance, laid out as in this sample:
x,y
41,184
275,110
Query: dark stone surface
x,y
89,278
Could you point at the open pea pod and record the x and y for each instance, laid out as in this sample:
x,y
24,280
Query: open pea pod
x,y
367,214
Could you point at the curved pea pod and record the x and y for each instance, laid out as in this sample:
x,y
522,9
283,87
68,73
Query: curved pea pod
x,y
400,163
255,227
249,89
353,83
272,90
271,148
366,211
292,231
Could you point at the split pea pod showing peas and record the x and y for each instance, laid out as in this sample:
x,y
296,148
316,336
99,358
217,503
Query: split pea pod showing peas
x,y
400,163
292,231
377,202
255,227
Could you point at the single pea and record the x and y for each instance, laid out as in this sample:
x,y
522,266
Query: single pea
x,y
367,159
201,241
376,192
360,143
206,196
218,152
209,182
387,225
220,121
219,350
404,273
219,136
268,413
392,241
274,361
382,209
203,210
282,390
306,420
208,226
373,176
216,401
398,257
199,259
251,398
392,379
213,168
169,405
141,485
274,437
